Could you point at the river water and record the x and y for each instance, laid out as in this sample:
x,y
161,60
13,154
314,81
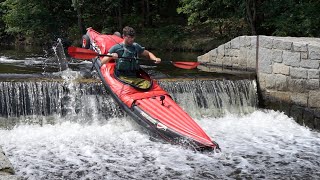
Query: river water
x,y
85,143
261,145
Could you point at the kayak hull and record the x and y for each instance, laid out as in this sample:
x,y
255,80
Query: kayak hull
x,y
152,109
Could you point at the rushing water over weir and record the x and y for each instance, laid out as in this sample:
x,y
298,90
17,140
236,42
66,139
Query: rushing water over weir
x,y
210,97
70,128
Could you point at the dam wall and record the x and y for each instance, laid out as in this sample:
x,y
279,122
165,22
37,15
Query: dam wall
x,y
287,70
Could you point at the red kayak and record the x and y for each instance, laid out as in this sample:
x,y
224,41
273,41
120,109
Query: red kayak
x,y
153,109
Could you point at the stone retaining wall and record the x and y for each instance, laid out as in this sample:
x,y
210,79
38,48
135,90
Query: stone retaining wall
x,y
287,71
239,53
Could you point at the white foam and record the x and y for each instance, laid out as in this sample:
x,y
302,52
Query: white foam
x,y
4,59
34,61
264,144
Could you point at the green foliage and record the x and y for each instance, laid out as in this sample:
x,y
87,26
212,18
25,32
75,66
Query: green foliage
x,y
292,18
25,17
225,17
162,37
171,22
200,11
273,17
36,19
2,24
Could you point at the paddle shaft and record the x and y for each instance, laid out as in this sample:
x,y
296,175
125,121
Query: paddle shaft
x,y
139,59
182,65
86,54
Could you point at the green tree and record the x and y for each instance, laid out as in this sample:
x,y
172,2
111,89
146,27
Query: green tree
x,y
224,16
269,17
77,6
2,24
36,19
291,18
114,14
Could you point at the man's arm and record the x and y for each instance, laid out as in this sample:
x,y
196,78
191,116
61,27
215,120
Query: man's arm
x,y
151,56
106,59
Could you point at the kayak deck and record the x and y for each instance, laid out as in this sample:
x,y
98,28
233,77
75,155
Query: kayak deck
x,y
157,107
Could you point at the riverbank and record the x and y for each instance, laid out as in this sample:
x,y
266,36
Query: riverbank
x,y
190,43
180,38
186,43
170,38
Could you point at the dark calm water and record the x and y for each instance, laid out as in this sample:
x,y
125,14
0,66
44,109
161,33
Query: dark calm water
x,y
87,143
46,61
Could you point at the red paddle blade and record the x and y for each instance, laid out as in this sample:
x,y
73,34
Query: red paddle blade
x,y
186,65
80,53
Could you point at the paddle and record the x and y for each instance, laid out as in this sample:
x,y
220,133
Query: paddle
x,y
85,54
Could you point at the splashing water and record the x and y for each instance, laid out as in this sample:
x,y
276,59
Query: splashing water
x,y
264,144
59,53
256,144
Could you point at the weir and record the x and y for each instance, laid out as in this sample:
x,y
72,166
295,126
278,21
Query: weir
x,y
82,100
86,142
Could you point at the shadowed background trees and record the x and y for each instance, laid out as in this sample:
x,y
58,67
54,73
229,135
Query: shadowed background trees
x,y
40,22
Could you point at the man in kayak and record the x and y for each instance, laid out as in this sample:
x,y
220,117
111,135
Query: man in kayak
x,y
126,69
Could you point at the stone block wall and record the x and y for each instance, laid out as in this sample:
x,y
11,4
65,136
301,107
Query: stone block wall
x,y
287,68
239,53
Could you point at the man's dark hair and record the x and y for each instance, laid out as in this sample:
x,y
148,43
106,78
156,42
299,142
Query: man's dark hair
x,y
128,31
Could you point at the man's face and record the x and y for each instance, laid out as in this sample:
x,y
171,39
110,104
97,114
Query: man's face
x,y
129,39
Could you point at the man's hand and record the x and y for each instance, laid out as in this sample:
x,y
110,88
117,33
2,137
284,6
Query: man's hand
x,y
114,55
157,60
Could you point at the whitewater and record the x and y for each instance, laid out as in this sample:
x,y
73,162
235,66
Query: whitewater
x,y
75,139
265,144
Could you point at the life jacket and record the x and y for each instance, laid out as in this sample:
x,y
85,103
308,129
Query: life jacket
x,y
127,66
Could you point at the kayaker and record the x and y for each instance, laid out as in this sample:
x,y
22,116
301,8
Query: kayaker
x,y
126,69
